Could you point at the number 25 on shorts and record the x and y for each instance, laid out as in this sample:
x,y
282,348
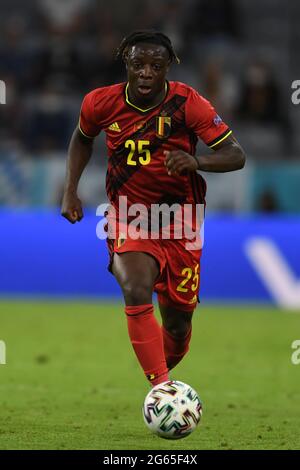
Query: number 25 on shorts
x,y
189,274
143,153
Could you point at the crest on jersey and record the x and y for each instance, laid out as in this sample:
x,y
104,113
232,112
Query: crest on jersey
x,y
163,126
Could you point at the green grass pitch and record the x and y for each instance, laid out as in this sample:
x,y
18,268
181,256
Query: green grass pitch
x,y
72,381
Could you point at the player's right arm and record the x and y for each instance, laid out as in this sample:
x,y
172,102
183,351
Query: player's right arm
x,y
79,154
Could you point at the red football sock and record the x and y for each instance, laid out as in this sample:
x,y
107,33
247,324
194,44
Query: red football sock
x,y
146,338
175,347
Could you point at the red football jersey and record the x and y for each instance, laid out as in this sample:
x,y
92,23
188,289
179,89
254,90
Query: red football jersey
x,y
136,139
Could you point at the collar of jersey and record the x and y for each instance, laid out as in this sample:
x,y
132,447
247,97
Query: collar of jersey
x,y
147,109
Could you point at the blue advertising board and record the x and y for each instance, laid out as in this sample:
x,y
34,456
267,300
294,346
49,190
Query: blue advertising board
x,y
245,259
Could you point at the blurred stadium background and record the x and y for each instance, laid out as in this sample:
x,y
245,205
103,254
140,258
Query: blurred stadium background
x,y
243,56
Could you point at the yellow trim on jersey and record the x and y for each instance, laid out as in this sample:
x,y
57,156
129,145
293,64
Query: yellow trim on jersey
x,y
221,140
140,109
85,135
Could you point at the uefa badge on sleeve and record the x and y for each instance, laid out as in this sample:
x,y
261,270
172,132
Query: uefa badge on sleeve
x,y
163,127
217,120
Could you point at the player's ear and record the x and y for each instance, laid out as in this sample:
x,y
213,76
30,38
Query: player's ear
x,y
125,59
168,66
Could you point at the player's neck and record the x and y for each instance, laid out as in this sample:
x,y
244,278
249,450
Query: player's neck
x,y
146,104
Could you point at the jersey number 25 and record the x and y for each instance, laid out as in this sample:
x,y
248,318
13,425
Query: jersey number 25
x,y
140,154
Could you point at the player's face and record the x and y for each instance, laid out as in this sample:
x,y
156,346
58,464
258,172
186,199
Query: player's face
x,y
147,66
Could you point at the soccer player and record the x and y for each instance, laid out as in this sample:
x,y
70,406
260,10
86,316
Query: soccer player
x,y
152,126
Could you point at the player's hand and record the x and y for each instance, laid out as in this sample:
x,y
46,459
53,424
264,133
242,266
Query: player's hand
x,y
178,162
71,207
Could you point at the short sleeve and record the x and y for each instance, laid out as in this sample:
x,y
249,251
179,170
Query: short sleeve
x,y
203,120
87,120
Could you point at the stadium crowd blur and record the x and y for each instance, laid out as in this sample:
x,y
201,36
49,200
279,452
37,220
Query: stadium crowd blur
x,y
234,52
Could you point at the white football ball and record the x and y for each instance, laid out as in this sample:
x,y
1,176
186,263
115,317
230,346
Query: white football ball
x,y
172,410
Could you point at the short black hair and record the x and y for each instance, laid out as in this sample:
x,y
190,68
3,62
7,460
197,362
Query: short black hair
x,y
150,36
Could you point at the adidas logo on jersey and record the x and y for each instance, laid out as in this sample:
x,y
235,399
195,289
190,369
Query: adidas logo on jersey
x,y
114,127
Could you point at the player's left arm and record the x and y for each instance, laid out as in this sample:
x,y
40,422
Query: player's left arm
x,y
202,119
228,156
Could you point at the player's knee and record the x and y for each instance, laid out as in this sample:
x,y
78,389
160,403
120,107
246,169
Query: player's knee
x,y
179,328
137,293
179,331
